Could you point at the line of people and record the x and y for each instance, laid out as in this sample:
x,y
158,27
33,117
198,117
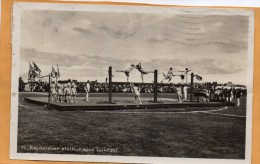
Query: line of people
x,y
67,92
63,92
229,95
182,93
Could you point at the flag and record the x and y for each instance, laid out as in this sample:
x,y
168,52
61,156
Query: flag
x,y
37,70
198,77
30,69
58,72
31,74
53,72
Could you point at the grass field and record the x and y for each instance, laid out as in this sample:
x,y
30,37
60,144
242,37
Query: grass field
x,y
157,132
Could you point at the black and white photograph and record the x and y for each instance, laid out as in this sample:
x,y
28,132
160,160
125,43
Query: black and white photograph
x,y
132,84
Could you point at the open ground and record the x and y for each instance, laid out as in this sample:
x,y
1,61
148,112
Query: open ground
x,y
215,132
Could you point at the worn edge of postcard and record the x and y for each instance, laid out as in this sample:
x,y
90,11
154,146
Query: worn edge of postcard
x,y
252,3
19,6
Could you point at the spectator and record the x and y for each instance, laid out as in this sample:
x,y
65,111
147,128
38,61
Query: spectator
x,y
87,89
21,84
185,92
238,94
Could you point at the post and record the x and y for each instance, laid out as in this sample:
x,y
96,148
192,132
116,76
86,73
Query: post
x,y
186,78
31,85
155,88
191,87
49,95
110,84
209,88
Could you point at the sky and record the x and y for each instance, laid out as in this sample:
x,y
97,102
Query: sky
x,y
85,44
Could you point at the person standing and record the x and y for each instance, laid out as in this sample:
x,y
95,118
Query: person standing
x,y
67,91
185,92
179,94
87,89
137,93
60,92
238,94
231,94
53,91
73,92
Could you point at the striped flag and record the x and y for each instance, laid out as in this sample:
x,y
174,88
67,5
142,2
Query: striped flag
x,y
30,69
53,72
30,72
198,77
37,70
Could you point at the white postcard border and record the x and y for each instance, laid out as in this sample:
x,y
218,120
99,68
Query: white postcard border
x,y
19,6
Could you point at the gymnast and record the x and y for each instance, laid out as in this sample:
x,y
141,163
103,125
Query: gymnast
x,y
137,93
168,76
127,71
139,68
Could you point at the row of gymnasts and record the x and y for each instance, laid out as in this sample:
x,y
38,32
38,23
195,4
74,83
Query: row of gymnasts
x,y
138,66
66,92
63,92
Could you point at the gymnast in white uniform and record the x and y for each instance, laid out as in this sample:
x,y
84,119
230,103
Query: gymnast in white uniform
x,y
168,76
67,91
137,93
139,68
127,71
60,92
87,89
73,92
53,91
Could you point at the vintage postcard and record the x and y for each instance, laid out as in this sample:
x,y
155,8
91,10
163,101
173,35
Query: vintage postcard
x,y
131,84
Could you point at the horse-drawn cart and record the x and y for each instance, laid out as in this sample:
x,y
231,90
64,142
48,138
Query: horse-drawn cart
x,y
201,95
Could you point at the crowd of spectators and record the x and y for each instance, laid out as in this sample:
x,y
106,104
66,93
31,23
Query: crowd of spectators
x,y
122,88
96,87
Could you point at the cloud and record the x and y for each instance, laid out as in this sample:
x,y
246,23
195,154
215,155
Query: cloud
x,y
103,62
91,67
158,40
228,33
102,28
47,58
82,30
207,44
233,47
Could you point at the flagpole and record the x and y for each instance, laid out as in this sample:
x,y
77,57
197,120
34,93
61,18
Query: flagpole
x,y
191,87
31,85
49,95
186,78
